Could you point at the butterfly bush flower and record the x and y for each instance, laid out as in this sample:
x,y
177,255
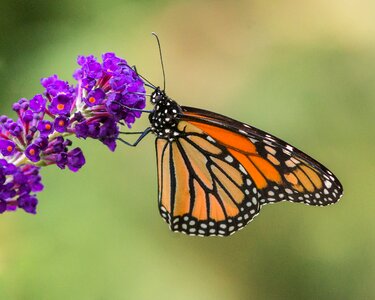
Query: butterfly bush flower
x,y
101,101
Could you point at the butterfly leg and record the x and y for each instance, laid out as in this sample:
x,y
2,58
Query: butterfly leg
x,y
142,135
133,108
137,109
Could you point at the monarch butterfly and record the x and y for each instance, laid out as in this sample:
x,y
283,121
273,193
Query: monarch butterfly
x,y
215,173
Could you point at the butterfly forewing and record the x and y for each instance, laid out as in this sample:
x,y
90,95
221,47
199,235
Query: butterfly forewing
x,y
203,189
278,170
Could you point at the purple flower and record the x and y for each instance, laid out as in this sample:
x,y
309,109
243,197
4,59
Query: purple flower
x,y
114,105
58,146
38,103
61,104
55,86
62,160
27,116
7,147
42,142
104,98
95,97
28,203
94,129
32,152
7,168
20,104
118,83
108,134
88,83
111,62
61,124
90,66
76,159
48,81
45,127
82,130
12,127
22,181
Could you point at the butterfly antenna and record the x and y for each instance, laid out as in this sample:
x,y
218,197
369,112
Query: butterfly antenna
x,y
161,57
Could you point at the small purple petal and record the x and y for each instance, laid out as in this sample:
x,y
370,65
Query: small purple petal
x,y
62,160
42,142
76,159
82,130
3,206
48,81
28,116
28,203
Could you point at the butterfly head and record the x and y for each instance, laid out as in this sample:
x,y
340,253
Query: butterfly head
x,y
157,95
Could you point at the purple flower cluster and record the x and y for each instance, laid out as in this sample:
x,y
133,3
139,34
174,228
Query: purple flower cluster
x,y
103,99
16,186
109,91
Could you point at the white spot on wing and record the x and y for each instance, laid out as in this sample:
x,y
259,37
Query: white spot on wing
x,y
328,184
289,147
243,169
211,139
229,158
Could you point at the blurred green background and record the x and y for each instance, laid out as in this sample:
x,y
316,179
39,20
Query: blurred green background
x,y
302,70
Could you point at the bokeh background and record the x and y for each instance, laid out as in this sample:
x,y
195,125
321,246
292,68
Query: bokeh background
x,y
302,70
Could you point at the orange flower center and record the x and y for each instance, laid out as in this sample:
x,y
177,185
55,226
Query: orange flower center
x,y
61,123
48,126
92,100
60,106
10,148
32,151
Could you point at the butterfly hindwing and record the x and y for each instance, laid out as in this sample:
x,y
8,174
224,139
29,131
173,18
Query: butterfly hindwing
x,y
278,170
203,189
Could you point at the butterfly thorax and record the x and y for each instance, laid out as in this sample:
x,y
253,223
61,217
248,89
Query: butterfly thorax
x,y
164,118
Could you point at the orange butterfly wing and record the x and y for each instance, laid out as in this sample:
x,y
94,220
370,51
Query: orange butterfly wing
x,y
279,170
